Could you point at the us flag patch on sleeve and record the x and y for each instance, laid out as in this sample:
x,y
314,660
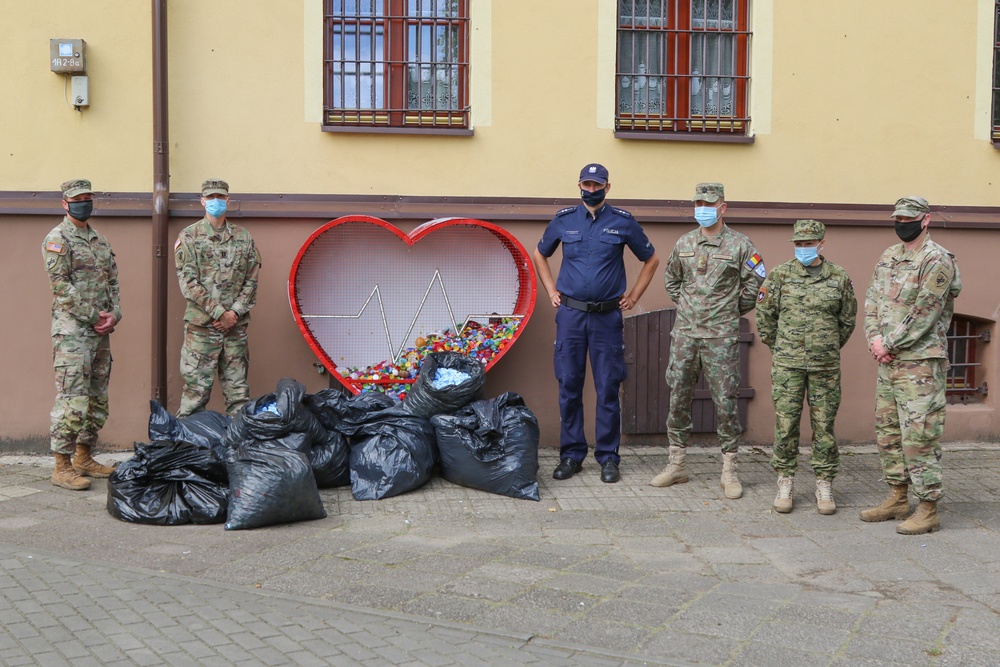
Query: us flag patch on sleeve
x,y
56,247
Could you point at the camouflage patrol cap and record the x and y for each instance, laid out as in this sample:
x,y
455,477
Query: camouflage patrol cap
x,y
710,192
80,186
911,207
214,186
808,230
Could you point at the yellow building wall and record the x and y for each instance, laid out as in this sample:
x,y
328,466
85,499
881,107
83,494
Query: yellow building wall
x,y
857,104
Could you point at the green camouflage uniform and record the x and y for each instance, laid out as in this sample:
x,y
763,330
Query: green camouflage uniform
x,y
713,281
84,280
805,319
910,303
217,271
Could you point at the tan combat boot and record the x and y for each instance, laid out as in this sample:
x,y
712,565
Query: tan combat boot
x,y
783,501
729,481
675,472
895,506
84,465
66,477
824,497
924,520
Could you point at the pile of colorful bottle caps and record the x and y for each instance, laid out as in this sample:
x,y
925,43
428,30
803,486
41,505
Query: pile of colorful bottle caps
x,y
480,341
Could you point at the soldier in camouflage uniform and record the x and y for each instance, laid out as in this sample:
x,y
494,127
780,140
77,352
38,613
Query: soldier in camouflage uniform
x,y
217,267
713,275
806,312
908,309
85,310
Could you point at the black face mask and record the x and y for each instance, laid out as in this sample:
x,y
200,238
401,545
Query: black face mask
x,y
907,231
593,198
80,210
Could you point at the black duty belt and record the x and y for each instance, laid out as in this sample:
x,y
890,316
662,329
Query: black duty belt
x,y
590,306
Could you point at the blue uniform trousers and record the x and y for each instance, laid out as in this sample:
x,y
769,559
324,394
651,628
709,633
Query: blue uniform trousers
x,y
602,335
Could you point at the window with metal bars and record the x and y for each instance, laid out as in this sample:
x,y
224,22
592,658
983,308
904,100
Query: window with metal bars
x,y
396,64
965,383
996,75
683,67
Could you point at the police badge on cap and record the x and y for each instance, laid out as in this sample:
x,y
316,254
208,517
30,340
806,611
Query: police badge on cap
x,y
594,172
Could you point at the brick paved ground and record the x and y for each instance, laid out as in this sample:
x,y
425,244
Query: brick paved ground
x,y
592,574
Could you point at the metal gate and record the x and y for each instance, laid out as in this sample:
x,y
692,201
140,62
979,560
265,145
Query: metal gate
x,y
645,394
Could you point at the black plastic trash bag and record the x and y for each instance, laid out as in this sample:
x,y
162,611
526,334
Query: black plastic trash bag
x,y
167,484
426,400
491,445
332,407
271,482
392,452
274,417
203,429
331,459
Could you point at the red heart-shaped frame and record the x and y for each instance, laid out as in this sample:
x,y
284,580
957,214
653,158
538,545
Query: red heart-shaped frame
x,y
362,291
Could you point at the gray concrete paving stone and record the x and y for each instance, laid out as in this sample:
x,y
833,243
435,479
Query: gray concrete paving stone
x,y
676,553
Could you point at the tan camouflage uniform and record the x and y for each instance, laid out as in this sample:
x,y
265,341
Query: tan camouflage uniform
x,y
909,303
84,280
806,316
217,270
713,281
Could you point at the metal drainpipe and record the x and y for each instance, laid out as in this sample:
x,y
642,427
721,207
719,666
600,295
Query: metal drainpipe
x,y
161,200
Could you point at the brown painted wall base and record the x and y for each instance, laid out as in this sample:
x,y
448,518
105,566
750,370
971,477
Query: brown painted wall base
x,y
280,224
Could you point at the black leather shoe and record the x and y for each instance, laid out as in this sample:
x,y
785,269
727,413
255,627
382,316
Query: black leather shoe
x,y
566,469
609,472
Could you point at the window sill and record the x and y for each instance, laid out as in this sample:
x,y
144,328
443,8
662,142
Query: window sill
x,y
711,137
371,129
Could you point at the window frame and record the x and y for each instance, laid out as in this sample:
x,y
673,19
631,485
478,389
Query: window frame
x,y
995,98
389,68
678,121
965,335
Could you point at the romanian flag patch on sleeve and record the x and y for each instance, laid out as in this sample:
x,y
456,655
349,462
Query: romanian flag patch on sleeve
x,y
756,264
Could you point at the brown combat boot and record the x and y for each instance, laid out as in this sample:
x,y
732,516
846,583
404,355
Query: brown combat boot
x,y
84,465
729,482
783,501
66,477
895,506
924,520
825,503
675,472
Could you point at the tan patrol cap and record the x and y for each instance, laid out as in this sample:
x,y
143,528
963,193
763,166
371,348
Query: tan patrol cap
x,y
80,186
710,192
214,186
911,207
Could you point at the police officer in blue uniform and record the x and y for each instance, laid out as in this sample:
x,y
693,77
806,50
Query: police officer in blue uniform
x,y
590,297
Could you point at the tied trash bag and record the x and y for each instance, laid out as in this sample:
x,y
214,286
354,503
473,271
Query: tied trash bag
x,y
392,452
332,406
331,459
167,484
271,482
276,417
428,396
203,429
491,445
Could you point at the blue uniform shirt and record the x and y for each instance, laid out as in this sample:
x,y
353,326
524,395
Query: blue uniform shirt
x,y
593,265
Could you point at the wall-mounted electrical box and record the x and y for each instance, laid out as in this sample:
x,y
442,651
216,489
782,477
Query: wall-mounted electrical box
x,y
79,91
68,56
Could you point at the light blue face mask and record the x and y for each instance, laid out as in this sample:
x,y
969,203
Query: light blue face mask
x,y
706,216
215,207
807,255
